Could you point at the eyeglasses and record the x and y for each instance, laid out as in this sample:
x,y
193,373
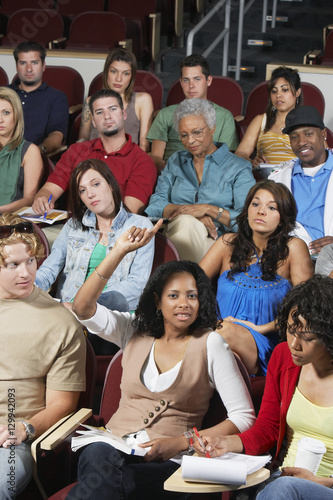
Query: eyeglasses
x,y
196,134
21,227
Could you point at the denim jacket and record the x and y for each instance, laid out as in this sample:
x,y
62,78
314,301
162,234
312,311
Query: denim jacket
x,y
72,250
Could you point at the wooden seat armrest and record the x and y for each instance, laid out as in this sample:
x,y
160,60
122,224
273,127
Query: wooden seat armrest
x,y
53,44
62,429
179,11
155,35
75,108
326,31
57,151
53,436
311,56
200,5
239,118
126,44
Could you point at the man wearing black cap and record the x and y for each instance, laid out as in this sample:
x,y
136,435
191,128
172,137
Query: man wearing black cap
x,y
310,177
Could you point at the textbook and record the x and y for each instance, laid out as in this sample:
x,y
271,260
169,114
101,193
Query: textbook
x,y
231,468
53,216
102,435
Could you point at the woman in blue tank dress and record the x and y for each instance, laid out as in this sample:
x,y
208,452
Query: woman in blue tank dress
x,y
257,267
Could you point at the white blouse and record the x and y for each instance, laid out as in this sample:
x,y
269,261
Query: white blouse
x,y
223,371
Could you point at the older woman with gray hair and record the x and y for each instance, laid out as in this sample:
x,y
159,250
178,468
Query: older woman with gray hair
x,y
201,190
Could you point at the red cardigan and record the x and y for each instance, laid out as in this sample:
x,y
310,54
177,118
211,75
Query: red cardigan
x,y
270,426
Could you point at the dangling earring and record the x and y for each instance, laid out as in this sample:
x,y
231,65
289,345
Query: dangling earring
x,y
297,101
273,109
158,313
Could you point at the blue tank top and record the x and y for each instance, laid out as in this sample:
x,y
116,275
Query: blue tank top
x,y
247,296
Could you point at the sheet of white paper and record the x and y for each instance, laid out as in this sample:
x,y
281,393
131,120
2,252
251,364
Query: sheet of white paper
x,y
206,470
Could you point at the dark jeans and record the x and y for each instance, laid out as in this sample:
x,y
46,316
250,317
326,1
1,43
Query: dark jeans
x,y
105,473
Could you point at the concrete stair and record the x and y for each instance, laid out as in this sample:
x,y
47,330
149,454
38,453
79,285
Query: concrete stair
x,y
289,40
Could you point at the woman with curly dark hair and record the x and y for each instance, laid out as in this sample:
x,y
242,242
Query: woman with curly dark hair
x,y
257,267
298,398
172,362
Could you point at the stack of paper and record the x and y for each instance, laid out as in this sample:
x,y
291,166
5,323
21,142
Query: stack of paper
x,y
231,468
101,435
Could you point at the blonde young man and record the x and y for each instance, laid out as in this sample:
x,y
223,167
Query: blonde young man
x,y
43,351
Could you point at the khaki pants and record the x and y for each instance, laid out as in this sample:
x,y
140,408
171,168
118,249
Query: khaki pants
x,y
190,237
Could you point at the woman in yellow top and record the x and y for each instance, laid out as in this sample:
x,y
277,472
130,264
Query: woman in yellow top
x,y
264,134
298,397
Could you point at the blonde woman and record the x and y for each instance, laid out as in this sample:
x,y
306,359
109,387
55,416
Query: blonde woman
x,y
21,164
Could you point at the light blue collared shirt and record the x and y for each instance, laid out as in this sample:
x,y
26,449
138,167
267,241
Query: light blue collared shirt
x,y
226,180
310,194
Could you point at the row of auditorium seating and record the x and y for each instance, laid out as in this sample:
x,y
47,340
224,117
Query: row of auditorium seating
x,y
324,57
89,31
71,8
93,26
224,91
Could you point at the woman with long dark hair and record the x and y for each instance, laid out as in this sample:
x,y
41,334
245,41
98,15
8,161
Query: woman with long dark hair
x,y
119,75
264,134
98,219
257,267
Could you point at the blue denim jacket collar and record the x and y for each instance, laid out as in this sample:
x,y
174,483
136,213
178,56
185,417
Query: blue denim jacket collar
x,y
89,218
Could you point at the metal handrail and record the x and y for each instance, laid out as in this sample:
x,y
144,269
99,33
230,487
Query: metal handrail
x,y
224,34
242,11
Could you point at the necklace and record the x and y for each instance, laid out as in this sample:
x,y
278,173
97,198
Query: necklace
x,y
104,240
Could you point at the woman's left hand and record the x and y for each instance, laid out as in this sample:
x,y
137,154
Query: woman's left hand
x,y
198,210
163,449
137,237
298,472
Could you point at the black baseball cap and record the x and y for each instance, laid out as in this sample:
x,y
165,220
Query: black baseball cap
x,y
303,115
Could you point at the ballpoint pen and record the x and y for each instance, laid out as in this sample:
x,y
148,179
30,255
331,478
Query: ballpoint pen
x,y
49,201
201,443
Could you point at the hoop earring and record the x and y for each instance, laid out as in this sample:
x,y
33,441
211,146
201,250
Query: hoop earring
x,y
158,313
273,109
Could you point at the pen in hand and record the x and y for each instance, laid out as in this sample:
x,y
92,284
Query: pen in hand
x,y
201,443
49,201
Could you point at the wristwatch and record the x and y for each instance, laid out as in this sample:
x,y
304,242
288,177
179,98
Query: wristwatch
x,y
331,487
219,214
29,430
189,436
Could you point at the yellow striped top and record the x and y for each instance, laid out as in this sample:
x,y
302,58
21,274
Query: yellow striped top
x,y
276,148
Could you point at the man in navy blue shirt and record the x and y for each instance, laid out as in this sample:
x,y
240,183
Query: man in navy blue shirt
x,y
45,109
